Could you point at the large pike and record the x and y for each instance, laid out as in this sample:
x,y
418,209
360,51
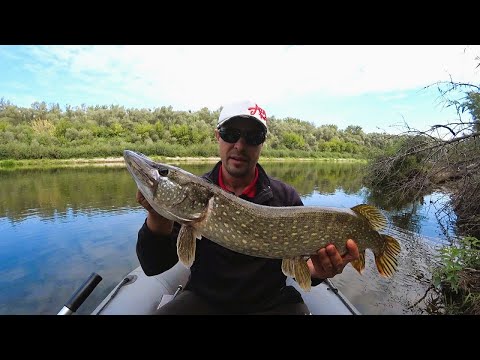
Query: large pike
x,y
290,233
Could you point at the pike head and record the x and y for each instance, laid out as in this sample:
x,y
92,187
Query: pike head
x,y
174,193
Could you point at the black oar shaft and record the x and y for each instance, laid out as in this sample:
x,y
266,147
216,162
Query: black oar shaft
x,y
80,295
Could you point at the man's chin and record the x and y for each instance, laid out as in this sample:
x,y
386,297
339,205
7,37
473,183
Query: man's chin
x,y
237,168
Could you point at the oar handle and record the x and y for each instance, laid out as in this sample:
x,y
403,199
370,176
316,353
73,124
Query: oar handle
x,y
80,295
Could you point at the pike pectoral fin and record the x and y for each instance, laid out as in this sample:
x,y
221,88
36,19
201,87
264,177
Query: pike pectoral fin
x,y
387,260
359,264
186,244
298,269
288,267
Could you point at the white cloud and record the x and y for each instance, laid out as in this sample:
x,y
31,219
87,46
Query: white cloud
x,y
190,77
209,75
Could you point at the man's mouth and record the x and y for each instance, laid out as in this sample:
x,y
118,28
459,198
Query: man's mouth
x,y
238,158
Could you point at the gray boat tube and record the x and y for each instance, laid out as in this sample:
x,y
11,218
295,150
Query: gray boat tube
x,y
139,294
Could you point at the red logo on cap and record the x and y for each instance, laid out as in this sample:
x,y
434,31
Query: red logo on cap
x,y
261,112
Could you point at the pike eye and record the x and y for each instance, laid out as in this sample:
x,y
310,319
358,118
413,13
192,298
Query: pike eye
x,y
163,172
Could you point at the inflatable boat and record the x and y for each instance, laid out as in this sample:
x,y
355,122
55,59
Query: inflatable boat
x,y
139,294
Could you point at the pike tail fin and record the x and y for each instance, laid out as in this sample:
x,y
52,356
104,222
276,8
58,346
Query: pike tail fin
x,y
386,260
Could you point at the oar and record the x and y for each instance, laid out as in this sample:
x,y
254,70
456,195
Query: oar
x,y
80,295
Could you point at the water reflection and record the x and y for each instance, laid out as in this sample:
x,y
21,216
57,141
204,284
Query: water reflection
x,y
50,194
325,178
59,226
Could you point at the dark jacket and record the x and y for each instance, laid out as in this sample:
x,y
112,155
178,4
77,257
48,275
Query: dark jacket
x,y
231,280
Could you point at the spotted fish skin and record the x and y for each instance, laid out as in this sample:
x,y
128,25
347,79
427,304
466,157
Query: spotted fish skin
x,y
290,233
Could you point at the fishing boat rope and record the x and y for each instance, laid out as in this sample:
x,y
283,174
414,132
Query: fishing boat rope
x,y
341,297
127,279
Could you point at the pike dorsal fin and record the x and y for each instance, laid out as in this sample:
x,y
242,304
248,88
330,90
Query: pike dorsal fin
x,y
376,219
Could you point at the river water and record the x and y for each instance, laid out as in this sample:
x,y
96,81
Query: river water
x,y
58,226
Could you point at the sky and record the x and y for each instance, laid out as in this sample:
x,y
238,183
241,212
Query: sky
x,y
377,87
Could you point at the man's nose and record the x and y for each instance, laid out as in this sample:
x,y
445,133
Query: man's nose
x,y
240,144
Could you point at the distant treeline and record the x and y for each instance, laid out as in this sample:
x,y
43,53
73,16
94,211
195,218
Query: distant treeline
x,y
47,131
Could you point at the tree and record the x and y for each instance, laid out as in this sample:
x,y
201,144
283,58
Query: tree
x,y
446,155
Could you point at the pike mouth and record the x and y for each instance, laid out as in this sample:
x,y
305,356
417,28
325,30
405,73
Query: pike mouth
x,y
141,166
148,175
144,174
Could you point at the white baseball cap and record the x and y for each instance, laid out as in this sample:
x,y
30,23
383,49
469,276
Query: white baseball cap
x,y
245,108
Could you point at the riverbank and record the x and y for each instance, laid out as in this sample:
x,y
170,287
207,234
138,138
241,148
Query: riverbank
x,y
119,161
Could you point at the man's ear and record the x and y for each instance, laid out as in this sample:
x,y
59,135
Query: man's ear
x,y
217,135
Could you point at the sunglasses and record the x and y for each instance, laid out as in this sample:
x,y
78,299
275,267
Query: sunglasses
x,y
254,137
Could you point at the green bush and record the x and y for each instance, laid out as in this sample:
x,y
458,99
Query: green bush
x,y
458,276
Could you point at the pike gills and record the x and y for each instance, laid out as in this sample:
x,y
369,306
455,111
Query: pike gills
x,y
290,233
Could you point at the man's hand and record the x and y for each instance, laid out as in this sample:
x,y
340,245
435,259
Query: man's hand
x,y
142,201
328,262
156,223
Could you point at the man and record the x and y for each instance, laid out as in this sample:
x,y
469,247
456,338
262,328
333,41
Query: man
x,y
223,281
